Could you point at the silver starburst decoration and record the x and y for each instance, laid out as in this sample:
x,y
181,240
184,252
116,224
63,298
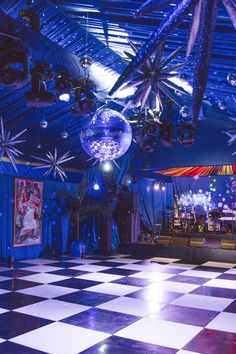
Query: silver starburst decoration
x,y
153,78
232,137
232,132
53,163
7,145
201,32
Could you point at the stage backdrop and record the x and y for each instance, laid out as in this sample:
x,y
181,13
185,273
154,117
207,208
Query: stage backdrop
x,y
205,194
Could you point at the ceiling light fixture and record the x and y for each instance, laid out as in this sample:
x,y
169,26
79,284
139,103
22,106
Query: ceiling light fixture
x,y
41,73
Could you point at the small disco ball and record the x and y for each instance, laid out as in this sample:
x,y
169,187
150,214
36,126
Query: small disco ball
x,y
231,77
222,105
64,135
106,136
86,61
184,112
183,77
43,124
178,93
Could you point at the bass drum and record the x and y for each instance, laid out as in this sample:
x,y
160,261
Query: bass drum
x,y
178,225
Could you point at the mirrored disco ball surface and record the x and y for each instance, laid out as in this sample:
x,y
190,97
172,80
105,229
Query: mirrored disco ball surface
x,y
106,136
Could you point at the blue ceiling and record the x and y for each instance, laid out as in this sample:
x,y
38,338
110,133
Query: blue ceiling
x,y
70,29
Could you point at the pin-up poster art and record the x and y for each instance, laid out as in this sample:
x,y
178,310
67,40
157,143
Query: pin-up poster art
x,y
28,199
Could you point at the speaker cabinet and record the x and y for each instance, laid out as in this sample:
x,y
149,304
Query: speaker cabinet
x,y
126,217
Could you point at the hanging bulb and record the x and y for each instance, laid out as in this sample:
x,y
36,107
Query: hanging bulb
x,y
222,105
39,146
43,124
64,135
86,61
231,78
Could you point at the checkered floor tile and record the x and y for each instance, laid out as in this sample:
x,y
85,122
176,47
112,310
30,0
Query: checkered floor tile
x,y
118,305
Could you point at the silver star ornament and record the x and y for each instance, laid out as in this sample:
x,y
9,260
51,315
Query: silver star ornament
x,y
53,163
7,145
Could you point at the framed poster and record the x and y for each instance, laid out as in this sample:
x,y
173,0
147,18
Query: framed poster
x,y
28,199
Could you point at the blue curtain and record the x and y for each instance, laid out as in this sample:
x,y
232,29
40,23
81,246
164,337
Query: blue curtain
x,y
152,203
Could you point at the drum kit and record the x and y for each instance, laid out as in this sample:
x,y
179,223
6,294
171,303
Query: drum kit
x,y
186,221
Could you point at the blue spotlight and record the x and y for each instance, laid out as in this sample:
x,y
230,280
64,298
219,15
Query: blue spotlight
x,y
107,166
96,187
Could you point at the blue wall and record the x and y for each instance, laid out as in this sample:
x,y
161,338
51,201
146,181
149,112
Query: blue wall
x,y
56,230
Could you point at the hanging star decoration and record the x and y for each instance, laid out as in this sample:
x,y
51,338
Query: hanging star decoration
x,y
7,145
53,163
154,79
232,132
202,29
232,137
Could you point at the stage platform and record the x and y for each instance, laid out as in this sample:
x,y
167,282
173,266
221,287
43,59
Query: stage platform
x,y
207,236
188,254
213,240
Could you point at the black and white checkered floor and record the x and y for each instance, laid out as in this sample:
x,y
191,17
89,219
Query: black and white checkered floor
x,y
116,305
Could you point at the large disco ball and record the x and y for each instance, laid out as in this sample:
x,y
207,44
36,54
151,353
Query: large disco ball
x,y
107,135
